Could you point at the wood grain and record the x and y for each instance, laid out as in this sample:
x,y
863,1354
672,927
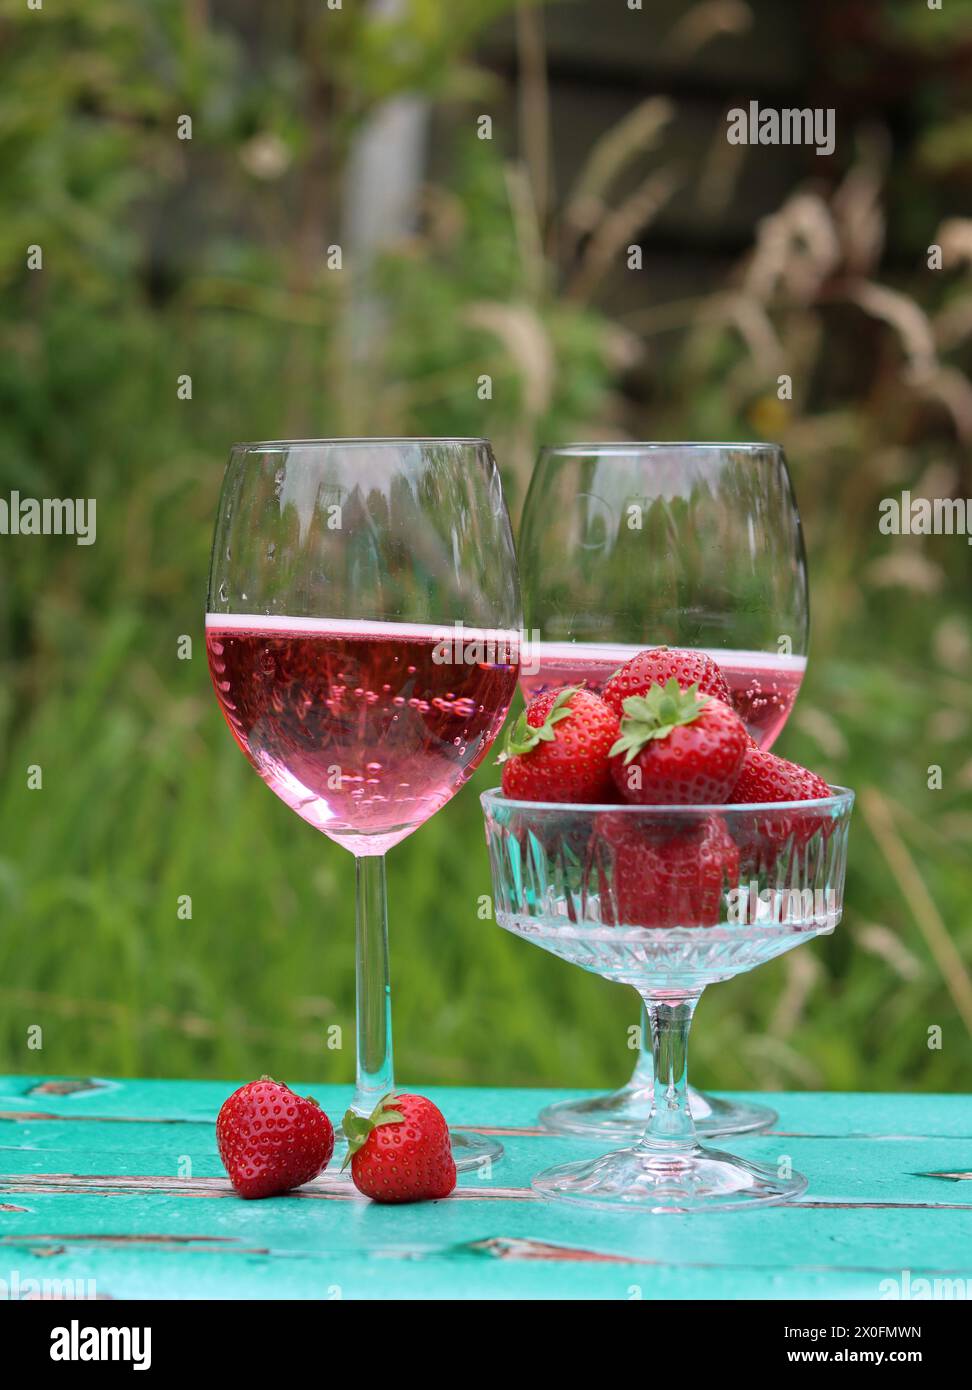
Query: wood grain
x,y
116,1187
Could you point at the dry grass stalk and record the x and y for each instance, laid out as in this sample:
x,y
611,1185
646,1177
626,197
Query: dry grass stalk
x,y
880,822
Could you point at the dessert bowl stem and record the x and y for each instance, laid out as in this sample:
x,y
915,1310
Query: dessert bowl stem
x,y
669,1170
670,1124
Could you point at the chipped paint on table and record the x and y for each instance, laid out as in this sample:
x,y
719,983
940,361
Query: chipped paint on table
x,y
117,1186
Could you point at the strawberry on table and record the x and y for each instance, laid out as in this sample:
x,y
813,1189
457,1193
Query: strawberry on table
x,y
659,665
401,1151
677,748
558,748
272,1140
672,874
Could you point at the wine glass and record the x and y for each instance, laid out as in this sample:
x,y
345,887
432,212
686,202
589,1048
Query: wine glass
x,y
362,630
630,545
593,885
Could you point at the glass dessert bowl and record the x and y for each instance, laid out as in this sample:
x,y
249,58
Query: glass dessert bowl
x,y
668,900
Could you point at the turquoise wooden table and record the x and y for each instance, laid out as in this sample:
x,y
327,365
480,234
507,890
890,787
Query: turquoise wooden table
x,y
119,1182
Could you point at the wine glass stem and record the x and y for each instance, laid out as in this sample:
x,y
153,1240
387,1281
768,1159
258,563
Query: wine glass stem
x,y
670,1125
375,1076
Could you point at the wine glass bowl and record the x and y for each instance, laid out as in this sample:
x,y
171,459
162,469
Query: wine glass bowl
x,y
344,575
631,545
628,545
359,726
597,887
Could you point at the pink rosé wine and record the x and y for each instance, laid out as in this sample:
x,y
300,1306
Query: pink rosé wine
x,y
365,729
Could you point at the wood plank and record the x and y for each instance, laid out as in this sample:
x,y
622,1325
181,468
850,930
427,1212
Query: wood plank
x,y
122,1185
821,1113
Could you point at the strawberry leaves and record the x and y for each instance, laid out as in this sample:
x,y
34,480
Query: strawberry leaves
x,y
655,714
357,1127
524,737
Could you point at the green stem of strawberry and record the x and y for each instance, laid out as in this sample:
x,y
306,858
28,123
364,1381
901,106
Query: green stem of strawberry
x,y
523,737
357,1127
655,715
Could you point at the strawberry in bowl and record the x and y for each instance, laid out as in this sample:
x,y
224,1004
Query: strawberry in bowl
x,y
661,737
677,747
658,666
764,779
558,749
671,872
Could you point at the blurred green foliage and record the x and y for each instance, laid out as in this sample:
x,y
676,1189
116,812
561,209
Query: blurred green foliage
x,y
207,258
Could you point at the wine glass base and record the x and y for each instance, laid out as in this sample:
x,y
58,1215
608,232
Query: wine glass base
x,y
474,1151
624,1114
694,1181
471,1151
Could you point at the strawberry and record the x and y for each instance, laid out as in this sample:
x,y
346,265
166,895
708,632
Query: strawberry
x,y
677,748
765,777
659,665
271,1140
671,875
401,1152
558,748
